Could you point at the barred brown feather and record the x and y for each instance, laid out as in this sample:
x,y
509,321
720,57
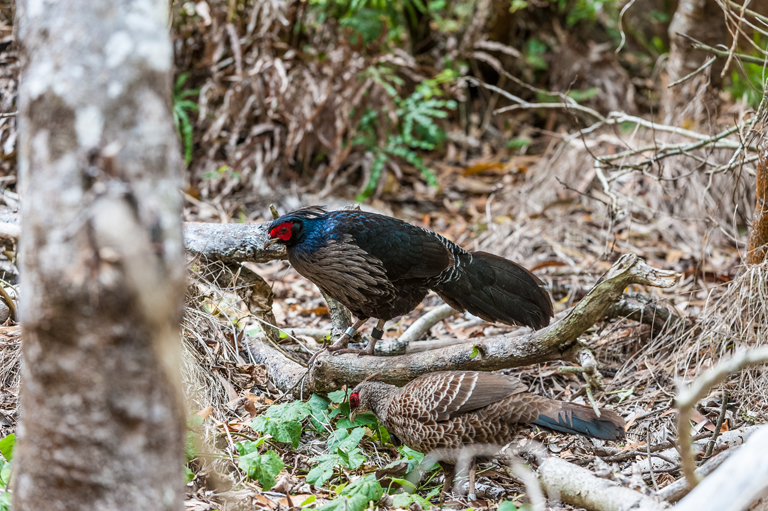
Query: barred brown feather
x,y
455,409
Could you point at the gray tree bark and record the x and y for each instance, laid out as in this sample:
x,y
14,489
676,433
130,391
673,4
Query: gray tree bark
x,y
703,20
102,259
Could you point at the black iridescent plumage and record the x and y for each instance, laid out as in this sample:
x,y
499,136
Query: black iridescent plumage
x,y
381,267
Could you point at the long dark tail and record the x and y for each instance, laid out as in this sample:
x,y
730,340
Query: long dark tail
x,y
580,419
498,290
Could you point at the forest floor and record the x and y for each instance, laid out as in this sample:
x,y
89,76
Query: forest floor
x,y
566,244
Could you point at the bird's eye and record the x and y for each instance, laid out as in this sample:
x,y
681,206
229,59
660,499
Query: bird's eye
x,y
354,401
284,230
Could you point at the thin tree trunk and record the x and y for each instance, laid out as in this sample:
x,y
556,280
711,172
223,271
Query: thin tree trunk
x,y
758,237
102,417
702,20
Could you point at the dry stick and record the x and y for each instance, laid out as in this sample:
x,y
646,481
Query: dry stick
x,y
698,45
689,396
581,488
687,77
679,489
720,420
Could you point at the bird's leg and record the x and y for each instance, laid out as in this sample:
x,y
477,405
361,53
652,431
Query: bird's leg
x,y
376,335
449,471
471,471
344,339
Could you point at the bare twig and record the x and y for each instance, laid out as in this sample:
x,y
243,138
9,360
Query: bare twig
x,y
687,77
720,420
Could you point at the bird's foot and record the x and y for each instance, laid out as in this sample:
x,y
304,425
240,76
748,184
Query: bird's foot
x,y
360,353
340,345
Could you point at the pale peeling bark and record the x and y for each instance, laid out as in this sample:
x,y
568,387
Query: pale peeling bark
x,y
703,20
102,259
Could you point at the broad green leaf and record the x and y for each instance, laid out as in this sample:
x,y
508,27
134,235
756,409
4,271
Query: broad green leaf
x,y
356,496
365,419
475,352
293,411
342,439
405,500
319,406
188,474
507,505
261,467
308,501
249,446
338,396
320,473
286,431
6,446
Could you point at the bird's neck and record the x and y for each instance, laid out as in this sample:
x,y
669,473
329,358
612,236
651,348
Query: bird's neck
x,y
380,396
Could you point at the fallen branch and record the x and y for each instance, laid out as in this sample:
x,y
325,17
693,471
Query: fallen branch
x,y
497,352
725,441
231,243
688,397
680,488
741,479
581,488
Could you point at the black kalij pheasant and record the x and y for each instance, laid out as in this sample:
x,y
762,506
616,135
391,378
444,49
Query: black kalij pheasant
x,y
455,409
381,267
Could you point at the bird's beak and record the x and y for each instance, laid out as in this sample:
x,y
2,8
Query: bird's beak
x,y
352,417
270,241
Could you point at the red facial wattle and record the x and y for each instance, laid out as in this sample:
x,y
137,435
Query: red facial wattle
x,y
282,231
354,401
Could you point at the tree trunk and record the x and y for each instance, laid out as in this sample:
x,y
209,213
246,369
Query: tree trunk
x,y
102,420
703,20
758,236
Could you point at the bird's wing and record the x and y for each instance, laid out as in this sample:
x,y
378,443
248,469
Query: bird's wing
x,y
405,251
444,395
345,271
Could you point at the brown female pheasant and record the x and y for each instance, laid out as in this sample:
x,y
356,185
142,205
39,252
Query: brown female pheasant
x,y
455,409
381,267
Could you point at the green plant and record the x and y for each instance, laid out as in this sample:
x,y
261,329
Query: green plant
x,y
181,105
283,422
415,128
261,467
748,80
6,449
356,496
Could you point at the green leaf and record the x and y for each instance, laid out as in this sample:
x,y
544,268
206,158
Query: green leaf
x,y
249,446
286,431
309,500
320,473
338,397
518,143
342,439
262,467
356,496
319,406
507,505
293,411
6,446
475,352
188,474
364,419
405,500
